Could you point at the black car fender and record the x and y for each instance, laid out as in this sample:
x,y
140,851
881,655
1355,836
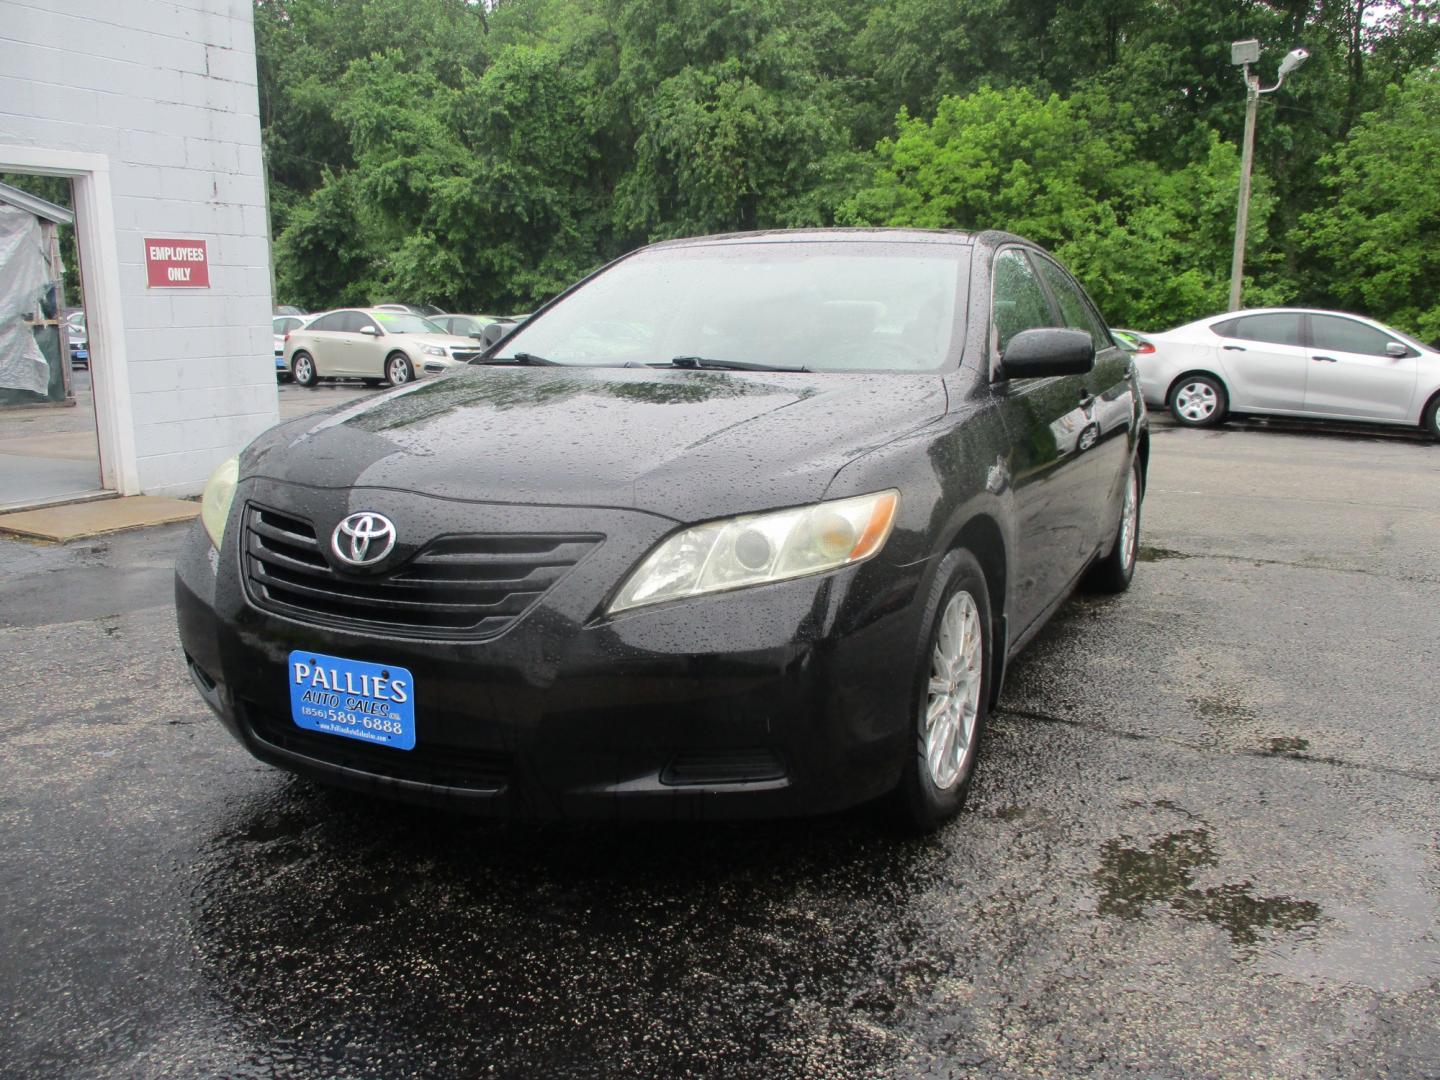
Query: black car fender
x,y
954,483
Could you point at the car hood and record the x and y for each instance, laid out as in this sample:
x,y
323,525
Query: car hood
x,y
453,341
684,444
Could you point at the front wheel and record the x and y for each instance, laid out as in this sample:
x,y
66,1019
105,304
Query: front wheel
x,y
398,369
1431,420
1112,574
951,695
302,369
1199,401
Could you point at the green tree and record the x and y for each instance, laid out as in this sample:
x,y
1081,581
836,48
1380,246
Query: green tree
x,y
1377,240
1151,245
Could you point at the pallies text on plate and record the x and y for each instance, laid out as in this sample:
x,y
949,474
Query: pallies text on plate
x,y
317,677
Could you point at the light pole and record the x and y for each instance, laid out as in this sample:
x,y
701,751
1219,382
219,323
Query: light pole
x,y
1243,54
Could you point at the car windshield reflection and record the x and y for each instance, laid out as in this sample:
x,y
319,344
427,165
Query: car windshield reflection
x,y
819,307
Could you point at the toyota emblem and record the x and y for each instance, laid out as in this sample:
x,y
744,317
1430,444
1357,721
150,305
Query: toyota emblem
x,y
363,539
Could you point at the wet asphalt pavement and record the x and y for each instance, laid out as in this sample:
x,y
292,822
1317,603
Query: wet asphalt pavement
x,y
1203,842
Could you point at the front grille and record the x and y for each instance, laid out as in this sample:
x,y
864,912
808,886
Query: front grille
x,y
456,586
429,763
465,355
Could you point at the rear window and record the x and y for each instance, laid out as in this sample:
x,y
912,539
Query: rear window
x,y
1278,328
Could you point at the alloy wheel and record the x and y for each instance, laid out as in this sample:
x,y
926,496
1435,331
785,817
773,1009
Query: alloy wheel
x,y
953,704
1130,520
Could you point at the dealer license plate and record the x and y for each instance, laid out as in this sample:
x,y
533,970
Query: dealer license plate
x,y
374,703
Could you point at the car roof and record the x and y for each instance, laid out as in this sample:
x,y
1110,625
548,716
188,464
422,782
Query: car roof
x,y
1286,311
868,235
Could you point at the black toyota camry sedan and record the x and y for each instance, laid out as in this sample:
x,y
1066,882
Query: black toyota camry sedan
x,y
737,526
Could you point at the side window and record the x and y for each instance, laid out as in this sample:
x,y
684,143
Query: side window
x,y
1073,307
1347,335
1280,328
359,321
1017,302
331,322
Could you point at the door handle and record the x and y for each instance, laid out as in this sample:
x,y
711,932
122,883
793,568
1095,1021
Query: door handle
x,y
1325,359
1234,348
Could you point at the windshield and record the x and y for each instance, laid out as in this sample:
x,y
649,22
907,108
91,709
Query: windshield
x,y
395,322
823,306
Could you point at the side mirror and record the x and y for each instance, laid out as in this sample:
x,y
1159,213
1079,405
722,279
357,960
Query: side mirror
x,y
493,333
478,335
373,331
1395,349
1034,354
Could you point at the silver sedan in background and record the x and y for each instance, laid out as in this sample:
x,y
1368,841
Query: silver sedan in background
x,y
1326,365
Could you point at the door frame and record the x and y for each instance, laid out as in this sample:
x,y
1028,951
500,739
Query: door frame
x,y
102,299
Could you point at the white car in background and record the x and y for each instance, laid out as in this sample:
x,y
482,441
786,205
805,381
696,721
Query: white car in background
x,y
375,345
281,326
1291,362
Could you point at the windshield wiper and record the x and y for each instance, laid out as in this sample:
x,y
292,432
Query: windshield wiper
x,y
523,359
695,363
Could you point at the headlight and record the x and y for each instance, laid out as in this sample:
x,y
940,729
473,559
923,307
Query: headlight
x,y
432,350
761,548
219,494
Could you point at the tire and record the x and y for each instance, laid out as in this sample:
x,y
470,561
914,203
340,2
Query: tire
x,y
1431,420
1198,401
933,787
398,369
302,368
1112,574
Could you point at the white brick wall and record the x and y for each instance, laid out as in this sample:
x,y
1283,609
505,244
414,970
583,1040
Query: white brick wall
x,y
166,90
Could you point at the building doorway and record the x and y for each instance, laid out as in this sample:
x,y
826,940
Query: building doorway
x,y
98,272
49,446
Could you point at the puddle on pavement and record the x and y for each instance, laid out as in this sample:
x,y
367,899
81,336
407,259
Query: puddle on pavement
x,y
1133,880
1158,554
1221,710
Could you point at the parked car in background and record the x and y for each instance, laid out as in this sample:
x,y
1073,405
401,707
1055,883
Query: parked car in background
x,y
423,310
473,326
740,526
374,344
281,326
78,337
1327,365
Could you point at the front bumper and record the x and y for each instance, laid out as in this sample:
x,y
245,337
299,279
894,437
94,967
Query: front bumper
x,y
786,699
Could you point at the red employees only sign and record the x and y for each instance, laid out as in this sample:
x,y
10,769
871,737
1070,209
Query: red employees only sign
x,y
176,264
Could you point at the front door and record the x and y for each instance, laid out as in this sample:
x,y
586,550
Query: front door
x,y
1049,425
1352,372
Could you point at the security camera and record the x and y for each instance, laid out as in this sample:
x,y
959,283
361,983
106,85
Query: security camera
x,y
1293,59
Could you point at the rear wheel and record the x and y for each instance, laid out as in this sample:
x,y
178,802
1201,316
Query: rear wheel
x,y
398,369
302,369
1112,574
1199,401
951,695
